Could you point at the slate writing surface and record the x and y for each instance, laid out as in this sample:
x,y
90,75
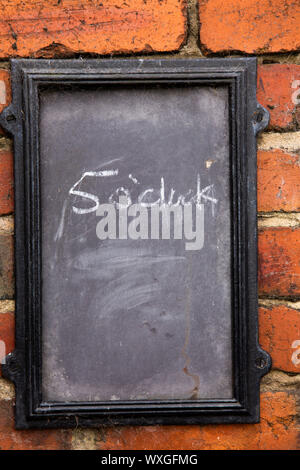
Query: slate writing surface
x,y
134,319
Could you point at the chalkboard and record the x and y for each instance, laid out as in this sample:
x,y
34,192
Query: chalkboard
x,y
139,243
144,318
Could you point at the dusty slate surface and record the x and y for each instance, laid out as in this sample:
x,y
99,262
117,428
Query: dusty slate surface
x,y
114,26
252,26
141,317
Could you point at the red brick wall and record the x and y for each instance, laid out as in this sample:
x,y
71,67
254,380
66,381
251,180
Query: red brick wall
x,y
266,28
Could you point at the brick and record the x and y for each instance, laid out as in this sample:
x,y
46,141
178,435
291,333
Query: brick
x,y
278,181
5,91
6,267
279,262
44,29
6,183
276,431
7,335
252,26
279,334
278,87
10,439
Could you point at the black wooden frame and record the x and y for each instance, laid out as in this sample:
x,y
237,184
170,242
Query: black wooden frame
x,y
21,119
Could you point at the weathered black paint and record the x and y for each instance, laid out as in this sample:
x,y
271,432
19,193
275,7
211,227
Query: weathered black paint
x,y
246,118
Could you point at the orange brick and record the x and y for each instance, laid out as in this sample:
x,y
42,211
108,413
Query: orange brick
x,y
7,334
279,334
5,90
6,267
252,26
278,181
278,87
279,262
72,26
6,182
10,439
276,431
